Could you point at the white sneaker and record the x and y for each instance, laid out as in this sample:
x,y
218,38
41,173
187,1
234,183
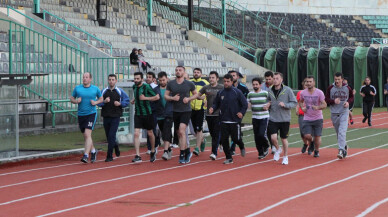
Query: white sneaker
x,y
276,156
174,146
165,156
221,148
213,156
169,155
148,152
273,150
285,160
156,151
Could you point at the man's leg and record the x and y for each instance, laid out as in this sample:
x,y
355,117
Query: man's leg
x,y
88,141
262,133
113,131
224,132
285,146
235,133
107,125
256,128
136,141
343,127
151,135
182,139
364,111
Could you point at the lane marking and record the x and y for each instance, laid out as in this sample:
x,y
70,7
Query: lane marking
x,y
373,207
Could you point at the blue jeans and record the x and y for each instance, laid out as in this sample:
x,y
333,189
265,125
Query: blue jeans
x,y
111,125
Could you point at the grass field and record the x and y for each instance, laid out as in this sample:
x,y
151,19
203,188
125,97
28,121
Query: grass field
x,y
73,140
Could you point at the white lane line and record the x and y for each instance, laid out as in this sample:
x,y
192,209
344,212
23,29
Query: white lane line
x,y
255,182
373,207
182,181
316,189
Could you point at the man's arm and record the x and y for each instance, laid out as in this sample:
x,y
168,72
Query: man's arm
x,y
243,102
124,99
291,100
351,96
328,100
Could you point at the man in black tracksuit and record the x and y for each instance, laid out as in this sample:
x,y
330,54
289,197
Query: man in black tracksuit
x,y
232,105
115,99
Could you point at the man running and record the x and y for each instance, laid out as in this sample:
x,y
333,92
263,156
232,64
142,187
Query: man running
x,y
232,105
143,119
368,93
87,96
300,114
165,119
178,92
155,108
312,101
257,100
268,75
338,97
282,100
115,99
213,121
198,112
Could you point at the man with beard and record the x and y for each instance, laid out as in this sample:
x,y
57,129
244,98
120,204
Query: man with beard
x,y
339,97
178,92
312,101
213,121
232,105
268,76
143,119
198,112
156,109
257,100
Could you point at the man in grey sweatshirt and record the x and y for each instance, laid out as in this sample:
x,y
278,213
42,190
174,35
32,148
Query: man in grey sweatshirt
x,y
339,96
281,101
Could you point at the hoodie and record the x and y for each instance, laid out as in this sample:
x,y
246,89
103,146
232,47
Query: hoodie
x,y
276,112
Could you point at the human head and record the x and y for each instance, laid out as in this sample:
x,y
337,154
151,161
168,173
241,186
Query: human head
x,y
112,80
134,50
310,82
180,71
138,78
367,80
256,83
87,78
235,75
213,78
277,79
140,51
338,79
228,81
151,78
268,75
163,80
345,80
197,73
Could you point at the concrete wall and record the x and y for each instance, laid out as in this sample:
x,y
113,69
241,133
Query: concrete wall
x,y
215,45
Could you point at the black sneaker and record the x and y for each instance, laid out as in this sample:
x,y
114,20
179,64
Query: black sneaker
x,y
363,120
109,159
84,159
316,153
152,157
304,148
93,156
117,151
261,156
311,149
188,157
232,153
243,152
346,151
228,161
340,154
370,124
137,159
266,152
182,159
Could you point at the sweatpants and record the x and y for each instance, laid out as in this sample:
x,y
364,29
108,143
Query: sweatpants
x,y
367,108
340,123
260,132
213,122
110,126
233,130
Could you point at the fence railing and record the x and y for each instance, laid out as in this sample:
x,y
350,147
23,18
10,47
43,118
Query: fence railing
x,y
102,67
67,24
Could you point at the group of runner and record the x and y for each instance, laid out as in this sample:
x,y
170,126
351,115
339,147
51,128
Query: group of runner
x,y
181,102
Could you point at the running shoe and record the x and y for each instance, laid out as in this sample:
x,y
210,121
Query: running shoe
x,y
370,124
93,156
182,159
276,156
213,156
243,152
196,151
152,156
203,145
228,161
137,159
148,152
311,148
232,153
266,152
363,120
117,151
340,154
273,150
169,155
285,160
304,148
221,148
109,159
165,155
346,151
174,146
84,159
316,153
188,157
351,121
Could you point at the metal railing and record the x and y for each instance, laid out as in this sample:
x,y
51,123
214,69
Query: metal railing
x,y
63,105
102,67
67,24
32,21
381,41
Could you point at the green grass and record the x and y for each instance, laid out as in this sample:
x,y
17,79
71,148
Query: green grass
x,y
73,140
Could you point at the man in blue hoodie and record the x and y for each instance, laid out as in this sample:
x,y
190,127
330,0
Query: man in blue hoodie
x,y
233,105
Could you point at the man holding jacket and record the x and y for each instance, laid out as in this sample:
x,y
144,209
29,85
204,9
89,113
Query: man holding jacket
x,y
281,101
233,105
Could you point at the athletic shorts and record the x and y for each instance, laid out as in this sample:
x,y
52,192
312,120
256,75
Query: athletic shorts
x,y
181,118
144,122
313,128
275,127
197,117
87,122
165,126
351,106
300,122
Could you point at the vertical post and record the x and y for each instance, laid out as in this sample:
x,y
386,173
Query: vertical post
x,y
17,121
23,51
190,13
149,12
10,50
223,18
36,6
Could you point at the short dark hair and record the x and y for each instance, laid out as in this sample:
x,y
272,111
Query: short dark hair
x,y
198,69
339,74
112,75
278,73
138,73
257,79
228,76
181,67
162,74
310,76
233,71
90,74
268,74
152,74
214,73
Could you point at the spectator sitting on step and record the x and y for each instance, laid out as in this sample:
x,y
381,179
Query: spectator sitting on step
x,y
134,57
144,64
